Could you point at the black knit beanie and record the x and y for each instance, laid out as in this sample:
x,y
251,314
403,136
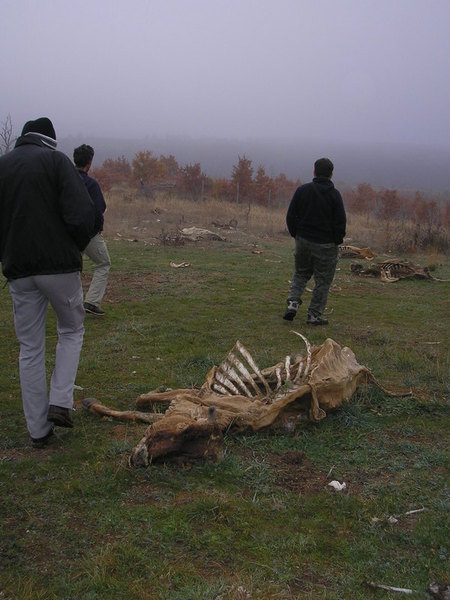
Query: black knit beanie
x,y
42,125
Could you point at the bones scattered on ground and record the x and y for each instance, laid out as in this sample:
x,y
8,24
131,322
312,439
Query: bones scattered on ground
x,y
393,270
238,396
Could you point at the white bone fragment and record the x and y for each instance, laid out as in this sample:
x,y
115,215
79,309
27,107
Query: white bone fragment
x,y
308,350
336,485
299,372
390,588
278,374
413,512
392,520
179,265
287,366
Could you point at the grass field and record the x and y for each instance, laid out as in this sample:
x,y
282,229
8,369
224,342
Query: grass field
x,y
78,523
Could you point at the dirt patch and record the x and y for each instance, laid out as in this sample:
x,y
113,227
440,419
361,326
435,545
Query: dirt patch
x,y
291,470
294,472
124,286
17,454
120,432
13,454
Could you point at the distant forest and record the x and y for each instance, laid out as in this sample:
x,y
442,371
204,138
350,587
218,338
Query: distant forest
x,y
397,185
148,174
409,168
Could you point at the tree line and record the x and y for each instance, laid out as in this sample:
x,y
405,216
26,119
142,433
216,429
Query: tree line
x,y
148,171
256,187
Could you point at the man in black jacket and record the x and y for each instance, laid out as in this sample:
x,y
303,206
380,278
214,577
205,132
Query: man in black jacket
x,y
96,250
316,219
46,220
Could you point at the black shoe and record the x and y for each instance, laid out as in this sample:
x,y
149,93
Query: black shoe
x,y
43,441
317,321
93,310
60,416
289,315
291,310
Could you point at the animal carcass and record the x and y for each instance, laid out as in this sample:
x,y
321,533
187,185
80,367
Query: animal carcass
x,y
392,270
237,397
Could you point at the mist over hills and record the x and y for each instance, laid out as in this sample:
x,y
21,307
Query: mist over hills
x,y
402,167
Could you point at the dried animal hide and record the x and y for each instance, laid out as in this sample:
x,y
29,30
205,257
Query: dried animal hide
x,y
355,252
237,396
392,270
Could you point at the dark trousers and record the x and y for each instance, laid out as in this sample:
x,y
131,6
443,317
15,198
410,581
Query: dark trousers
x,y
318,260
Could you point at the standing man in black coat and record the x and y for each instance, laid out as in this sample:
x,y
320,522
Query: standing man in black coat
x,y
316,219
96,250
46,220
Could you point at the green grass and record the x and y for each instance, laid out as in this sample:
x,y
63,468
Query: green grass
x,y
78,523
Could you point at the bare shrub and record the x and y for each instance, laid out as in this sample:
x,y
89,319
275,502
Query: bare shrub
x,y
406,237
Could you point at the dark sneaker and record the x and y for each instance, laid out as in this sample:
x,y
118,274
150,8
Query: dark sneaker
x,y
43,441
93,310
316,321
291,311
60,416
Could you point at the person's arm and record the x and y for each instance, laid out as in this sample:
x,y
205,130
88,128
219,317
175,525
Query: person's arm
x,y
76,207
340,220
291,215
97,195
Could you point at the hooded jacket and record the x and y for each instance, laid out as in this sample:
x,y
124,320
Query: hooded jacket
x,y
46,213
316,213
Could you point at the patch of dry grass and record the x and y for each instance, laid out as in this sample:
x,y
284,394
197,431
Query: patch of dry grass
x,y
131,215
134,216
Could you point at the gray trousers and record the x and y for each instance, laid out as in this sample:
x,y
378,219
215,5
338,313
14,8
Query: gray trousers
x,y
30,297
318,260
97,251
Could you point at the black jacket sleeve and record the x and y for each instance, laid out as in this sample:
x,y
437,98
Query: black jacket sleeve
x,y
339,220
75,204
291,215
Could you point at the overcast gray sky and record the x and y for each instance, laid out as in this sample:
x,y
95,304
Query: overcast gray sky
x,y
339,70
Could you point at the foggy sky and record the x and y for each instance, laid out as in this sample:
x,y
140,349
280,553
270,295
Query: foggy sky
x,y
338,71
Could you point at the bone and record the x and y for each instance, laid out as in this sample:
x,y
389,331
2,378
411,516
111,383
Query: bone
x,y
92,405
287,366
299,372
308,350
246,354
228,369
244,371
226,383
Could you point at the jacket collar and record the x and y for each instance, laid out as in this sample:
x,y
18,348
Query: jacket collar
x,y
38,139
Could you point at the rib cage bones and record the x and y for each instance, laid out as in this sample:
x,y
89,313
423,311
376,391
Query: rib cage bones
x,y
239,374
